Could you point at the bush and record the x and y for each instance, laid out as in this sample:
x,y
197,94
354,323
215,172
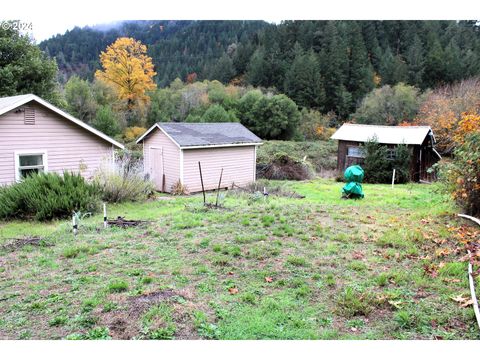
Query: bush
x,y
48,196
321,154
125,180
462,175
379,168
285,167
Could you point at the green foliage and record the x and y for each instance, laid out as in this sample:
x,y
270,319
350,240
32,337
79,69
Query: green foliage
x,y
216,113
117,286
270,117
24,68
106,121
47,196
389,105
380,160
300,58
461,176
80,100
352,302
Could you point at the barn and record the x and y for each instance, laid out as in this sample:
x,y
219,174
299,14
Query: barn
x,y
419,139
172,152
36,136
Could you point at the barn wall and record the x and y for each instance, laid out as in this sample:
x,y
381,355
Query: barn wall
x,y
342,154
68,146
238,165
171,157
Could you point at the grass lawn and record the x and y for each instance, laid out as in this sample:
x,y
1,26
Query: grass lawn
x,y
284,268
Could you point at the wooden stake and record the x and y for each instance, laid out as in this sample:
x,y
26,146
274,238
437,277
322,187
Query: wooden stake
x,y
74,224
393,178
201,179
218,189
104,215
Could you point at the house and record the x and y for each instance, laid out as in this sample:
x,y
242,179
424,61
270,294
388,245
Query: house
x,y
36,136
172,152
419,139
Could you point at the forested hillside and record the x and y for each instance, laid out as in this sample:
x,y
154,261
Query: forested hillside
x,y
327,65
177,47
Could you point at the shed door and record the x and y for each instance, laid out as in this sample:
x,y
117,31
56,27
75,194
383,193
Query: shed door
x,y
156,167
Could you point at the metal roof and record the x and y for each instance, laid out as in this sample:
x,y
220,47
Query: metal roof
x,y
409,135
12,102
199,135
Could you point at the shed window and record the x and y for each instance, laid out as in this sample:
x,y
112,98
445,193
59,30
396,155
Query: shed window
x,y
31,163
355,151
391,154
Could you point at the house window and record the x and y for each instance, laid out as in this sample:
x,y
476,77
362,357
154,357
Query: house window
x,y
30,163
355,151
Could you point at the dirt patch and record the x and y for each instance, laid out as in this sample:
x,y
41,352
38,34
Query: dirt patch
x,y
124,323
124,223
18,243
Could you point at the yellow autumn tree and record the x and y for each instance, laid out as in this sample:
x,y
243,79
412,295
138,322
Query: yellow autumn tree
x,y
129,70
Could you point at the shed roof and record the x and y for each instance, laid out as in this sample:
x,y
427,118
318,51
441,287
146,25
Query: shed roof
x,y
409,135
200,135
12,102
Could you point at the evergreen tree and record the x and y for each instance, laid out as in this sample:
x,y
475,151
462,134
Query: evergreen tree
x,y
303,82
360,76
415,62
434,65
223,70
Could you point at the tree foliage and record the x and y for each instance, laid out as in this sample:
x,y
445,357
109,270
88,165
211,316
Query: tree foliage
x,y
389,105
25,69
128,69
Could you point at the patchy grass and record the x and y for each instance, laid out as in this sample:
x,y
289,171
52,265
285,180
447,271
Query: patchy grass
x,y
278,268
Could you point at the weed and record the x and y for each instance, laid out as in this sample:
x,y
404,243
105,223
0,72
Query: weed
x,y
117,286
352,302
296,261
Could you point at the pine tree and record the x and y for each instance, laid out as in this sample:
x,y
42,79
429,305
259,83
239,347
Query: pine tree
x,y
360,77
303,81
415,62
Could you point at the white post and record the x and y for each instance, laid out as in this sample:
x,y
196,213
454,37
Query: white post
x,y
393,178
104,215
74,224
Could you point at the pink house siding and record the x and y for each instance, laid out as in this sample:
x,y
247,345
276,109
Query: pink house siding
x,y
171,158
238,165
67,145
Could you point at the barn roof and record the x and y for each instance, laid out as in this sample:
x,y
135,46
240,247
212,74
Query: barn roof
x,y
409,135
12,102
201,135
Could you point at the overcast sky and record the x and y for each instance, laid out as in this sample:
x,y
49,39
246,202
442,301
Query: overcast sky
x,y
50,17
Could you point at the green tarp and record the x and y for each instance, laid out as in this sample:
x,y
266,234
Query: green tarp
x,y
354,176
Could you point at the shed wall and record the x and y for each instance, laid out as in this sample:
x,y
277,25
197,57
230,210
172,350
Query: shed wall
x,y
238,163
171,157
68,146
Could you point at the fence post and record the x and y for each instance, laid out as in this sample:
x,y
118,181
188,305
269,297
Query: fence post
x,y
393,178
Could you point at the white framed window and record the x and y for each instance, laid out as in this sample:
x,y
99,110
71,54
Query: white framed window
x,y
30,162
355,151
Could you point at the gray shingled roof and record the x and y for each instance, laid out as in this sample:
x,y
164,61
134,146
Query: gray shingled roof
x,y
208,134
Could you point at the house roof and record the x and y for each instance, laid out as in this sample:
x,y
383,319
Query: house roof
x,y
12,102
202,135
409,135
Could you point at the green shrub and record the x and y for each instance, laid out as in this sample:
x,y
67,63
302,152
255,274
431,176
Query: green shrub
x,y
462,175
379,167
48,196
124,181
